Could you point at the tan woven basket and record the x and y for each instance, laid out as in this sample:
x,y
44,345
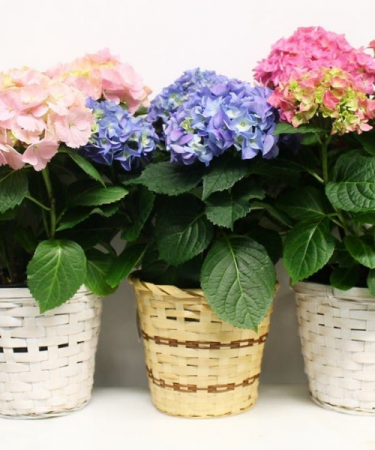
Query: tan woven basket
x,y
337,332
46,360
198,366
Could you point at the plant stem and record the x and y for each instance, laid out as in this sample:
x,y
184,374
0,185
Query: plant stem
x,y
324,152
51,197
37,202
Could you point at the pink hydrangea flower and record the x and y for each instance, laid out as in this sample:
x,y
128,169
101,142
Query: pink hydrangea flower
x,y
32,108
328,93
102,75
312,48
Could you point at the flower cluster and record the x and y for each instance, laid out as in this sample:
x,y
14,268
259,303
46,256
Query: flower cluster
x,y
119,136
101,75
313,48
36,114
212,120
331,93
172,96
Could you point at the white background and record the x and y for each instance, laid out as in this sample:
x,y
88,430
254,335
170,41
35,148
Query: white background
x,y
161,38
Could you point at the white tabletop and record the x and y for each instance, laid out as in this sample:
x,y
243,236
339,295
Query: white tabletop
x,y
283,418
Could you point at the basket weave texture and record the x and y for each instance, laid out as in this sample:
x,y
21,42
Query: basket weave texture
x,y
337,331
46,360
198,366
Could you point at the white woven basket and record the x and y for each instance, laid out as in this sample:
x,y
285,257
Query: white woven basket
x,y
337,330
46,360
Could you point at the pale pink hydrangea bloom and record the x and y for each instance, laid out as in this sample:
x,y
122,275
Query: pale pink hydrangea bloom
x,y
38,113
102,75
312,48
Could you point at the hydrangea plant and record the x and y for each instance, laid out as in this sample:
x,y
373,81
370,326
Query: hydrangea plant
x,y
328,101
204,215
58,207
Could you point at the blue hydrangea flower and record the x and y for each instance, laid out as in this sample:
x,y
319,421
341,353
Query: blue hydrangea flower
x,y
119,136
229,114
171,97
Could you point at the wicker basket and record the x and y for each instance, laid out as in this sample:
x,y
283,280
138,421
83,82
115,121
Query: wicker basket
x,y
337,332
198,366
46,360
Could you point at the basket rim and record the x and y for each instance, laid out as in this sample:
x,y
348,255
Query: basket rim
x,y
134,278
357,294
16,293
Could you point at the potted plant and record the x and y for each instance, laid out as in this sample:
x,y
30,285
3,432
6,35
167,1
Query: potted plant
x,y
57,219
324,89
201,233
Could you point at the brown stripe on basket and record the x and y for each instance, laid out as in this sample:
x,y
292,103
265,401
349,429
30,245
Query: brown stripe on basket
x,y
212,389
208,345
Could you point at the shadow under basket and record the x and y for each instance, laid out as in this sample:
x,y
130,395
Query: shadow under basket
x,y
337,330
47,360
198,366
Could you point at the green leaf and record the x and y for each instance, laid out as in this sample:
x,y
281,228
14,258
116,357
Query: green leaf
x,y
307,248
223,208
157,271
371,282
279,216
10,214
304,204
354,189
122,266
341,256
238,279
366,217
55,273
99,196
362,249
182,230
25,237
171,179
367,140
345,278
13,189
74,216
99,267
83,163
310,139
224,173
276,169
287,128
143,203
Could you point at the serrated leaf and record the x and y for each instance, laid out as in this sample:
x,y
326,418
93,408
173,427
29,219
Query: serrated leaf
x,y
362,249
354,189
224,173
129,259
366,217
371,281
287,128
98,268
84,164
74,216
276,169
13,189
304,204
224,208
55,273
182,230
345,278
310,139
238,279
143,203
278,215
99,196
171,179
307,248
